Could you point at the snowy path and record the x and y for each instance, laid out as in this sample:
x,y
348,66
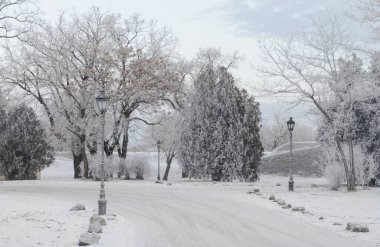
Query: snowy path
x,y
189,214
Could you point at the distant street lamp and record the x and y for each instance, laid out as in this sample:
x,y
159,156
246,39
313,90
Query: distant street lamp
x,y
102,103
291,124
158,170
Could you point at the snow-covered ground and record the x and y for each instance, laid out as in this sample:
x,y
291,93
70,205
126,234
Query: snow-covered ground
x,y
186,213
39,219
341,206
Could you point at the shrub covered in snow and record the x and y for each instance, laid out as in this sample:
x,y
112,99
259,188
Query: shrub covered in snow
x,y
334,174
137,166
333,169
24,150
365,167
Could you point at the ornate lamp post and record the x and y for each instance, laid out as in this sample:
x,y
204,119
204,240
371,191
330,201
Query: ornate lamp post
x,y
102,103
291,124
158,171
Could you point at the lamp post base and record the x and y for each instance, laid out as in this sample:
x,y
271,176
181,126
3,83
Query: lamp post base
x,y
102,207
291,184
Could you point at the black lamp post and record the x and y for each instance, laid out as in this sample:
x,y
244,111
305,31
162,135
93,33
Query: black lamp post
x,y
102,103
291,124
158,171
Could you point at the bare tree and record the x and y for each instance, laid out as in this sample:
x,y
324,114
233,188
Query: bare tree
x,y
274,134
305,67
370,11
17,17
147,74
61,66
168,133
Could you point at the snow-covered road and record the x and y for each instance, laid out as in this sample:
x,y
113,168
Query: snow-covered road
x,y
189,213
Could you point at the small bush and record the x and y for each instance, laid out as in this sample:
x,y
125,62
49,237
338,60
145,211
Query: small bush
x,y
94,163
365,166
334,175
95,174
333,170
137,166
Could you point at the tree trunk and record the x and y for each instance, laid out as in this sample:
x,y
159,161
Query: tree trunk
x,y
350,185
185,172
169,160
77,160
216,174
84,155
352,162
113,142
93,149
93,161
122,152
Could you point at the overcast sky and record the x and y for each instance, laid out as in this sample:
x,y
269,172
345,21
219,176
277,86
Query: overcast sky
x,y
227,24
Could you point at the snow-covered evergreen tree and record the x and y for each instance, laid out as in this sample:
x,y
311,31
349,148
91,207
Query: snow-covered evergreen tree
x,y
367,116
252,148
198,117
24,150
220,139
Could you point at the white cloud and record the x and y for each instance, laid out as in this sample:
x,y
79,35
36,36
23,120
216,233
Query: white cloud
x,y
295,15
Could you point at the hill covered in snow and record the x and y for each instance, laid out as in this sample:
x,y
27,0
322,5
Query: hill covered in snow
x,y
306,160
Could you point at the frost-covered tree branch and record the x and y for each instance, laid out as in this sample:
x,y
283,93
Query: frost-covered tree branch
x,y
305,67
17,17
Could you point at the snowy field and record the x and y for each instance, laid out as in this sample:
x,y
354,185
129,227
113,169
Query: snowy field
x,y
186,213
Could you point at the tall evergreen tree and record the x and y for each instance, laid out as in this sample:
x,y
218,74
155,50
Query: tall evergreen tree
x,y
221,137
252,149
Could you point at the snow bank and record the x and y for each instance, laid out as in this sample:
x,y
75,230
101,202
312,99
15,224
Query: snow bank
x,y
34,220
333,206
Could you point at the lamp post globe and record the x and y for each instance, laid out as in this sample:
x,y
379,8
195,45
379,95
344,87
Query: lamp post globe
x,y
290,123
102,103
102,100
